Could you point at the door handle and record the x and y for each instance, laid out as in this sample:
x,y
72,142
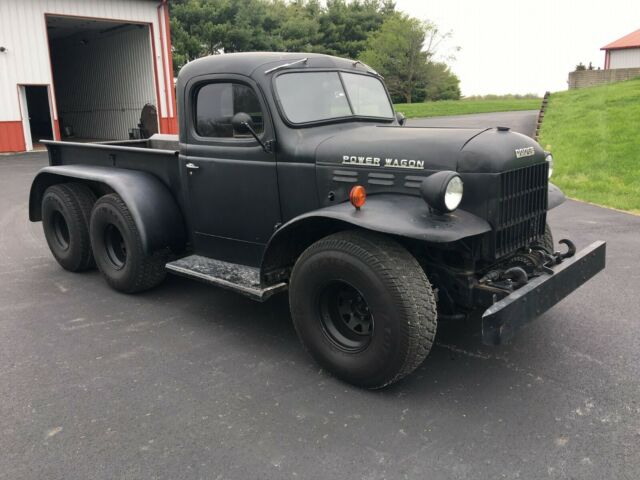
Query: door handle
x,y
192,166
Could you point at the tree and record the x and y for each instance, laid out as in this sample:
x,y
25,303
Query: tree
x,y
441,83
400,47
209,27
346,26
402,51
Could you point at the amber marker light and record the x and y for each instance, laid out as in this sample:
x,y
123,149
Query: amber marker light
x,y
357,196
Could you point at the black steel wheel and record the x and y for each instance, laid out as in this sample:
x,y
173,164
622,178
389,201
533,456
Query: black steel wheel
x,y
363,308
115,246
66,209
60,228
118,251
345,316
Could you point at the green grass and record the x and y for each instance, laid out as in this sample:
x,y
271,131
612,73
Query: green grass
x,y
594,135
461,107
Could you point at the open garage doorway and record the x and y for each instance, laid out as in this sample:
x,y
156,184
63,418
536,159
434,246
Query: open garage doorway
x,y
103,75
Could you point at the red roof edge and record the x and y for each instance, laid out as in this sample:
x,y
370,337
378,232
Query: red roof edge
x,y
628,41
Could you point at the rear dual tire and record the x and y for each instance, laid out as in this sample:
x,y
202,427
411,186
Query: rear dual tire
x,y
118,250
363,308
66,213
83,232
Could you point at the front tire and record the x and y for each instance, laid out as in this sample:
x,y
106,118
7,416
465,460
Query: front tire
x,y
66,209
118,251
547,239
363,308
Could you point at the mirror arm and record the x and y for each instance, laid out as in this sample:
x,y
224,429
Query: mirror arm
x,y
267,147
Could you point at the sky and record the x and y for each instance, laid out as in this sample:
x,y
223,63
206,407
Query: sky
x,y
514,46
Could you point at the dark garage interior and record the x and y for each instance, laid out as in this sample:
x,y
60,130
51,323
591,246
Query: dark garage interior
x,y
103,76
39,112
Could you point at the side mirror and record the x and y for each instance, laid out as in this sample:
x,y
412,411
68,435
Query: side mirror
x,y
401,118
242,123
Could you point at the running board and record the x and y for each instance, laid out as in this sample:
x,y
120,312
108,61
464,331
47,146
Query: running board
x,y
232,276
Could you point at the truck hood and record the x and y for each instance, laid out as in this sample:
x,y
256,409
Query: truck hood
x,y
397,159
419,149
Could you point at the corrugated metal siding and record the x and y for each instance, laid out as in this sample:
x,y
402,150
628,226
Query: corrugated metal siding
x,y
102,86
628,58
23,32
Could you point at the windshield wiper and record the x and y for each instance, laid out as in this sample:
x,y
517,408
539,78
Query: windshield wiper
x,y
355,63
285,65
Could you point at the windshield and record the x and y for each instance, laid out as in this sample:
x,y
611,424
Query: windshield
x,y
316,96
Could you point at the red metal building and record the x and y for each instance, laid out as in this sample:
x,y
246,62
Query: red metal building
x,y
623,53
83,69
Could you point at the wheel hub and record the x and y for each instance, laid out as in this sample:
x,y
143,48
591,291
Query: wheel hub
x,y
346,317
115,246
60,230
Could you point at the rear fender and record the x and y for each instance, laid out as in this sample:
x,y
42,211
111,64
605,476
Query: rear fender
x,y
392,214
152,206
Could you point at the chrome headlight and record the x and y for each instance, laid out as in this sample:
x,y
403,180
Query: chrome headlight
x,y
453,193
442,191
549,159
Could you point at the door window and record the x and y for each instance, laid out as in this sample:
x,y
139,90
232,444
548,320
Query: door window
x,y
217,103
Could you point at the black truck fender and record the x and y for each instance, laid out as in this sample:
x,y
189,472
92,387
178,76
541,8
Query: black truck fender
x,y
555,196
393,214
152,206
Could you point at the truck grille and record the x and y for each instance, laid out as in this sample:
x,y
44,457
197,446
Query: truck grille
x,y
523,208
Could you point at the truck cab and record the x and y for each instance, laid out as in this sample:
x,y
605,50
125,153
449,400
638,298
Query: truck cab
x,y
292,172
292,103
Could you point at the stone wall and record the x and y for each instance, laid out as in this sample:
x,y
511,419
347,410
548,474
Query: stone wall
x,y
591,78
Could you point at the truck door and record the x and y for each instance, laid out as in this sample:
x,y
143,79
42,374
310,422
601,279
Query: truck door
x,y
230,181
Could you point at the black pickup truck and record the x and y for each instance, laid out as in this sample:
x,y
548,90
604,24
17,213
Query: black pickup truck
x,y
293,172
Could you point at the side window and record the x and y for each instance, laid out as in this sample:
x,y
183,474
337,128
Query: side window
x,y
217,103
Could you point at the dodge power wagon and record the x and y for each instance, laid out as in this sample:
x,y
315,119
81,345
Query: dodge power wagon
x,y
292,172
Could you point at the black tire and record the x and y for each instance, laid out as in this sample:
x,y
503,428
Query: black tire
x,y
117,248
363,308
66,209
547,240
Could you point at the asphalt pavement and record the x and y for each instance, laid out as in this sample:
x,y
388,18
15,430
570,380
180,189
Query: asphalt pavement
x,y
189,381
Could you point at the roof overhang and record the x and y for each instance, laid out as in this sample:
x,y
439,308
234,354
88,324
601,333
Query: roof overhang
x,y
628,41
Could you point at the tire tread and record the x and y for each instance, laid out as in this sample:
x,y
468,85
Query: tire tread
x,y
150,269
79,200
398,268
547,240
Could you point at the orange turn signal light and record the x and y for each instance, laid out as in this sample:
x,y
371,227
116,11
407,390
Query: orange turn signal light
x,y
357,196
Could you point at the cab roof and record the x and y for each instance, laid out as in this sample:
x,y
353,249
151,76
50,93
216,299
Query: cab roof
x,y
249,62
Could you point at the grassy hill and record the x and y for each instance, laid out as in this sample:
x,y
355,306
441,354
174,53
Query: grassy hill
x,y
461,107
594,135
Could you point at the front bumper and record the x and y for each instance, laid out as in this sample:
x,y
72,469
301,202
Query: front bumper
x,y
503,318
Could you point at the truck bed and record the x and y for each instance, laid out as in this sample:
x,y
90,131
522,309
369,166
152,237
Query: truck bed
x,y
157,155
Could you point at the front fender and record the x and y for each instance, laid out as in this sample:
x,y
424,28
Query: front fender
x,y
152,206
555,197
393,214
404,216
